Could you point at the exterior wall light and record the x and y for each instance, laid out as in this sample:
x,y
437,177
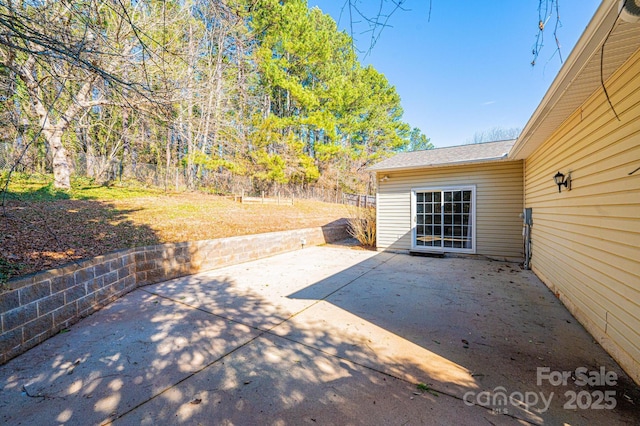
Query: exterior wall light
x,y
384,178
561,180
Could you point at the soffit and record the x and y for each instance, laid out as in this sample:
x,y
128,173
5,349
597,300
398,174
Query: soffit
x,y
575,85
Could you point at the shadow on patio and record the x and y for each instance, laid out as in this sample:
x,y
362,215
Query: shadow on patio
x,y
322,335
466,326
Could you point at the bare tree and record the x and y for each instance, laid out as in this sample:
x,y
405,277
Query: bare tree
x,y
69,58
370,18
548,11
495,134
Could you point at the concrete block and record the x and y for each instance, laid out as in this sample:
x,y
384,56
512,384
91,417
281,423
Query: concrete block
x,y
156,253
123,272
38,326
63,315
19,316
115,264
110,278
156,275
9,300
126,259
21,282
119,285
129,258
184,270
119,293
74,293
28,344
141,278
34,292
83,275
62,282
88,311
10,339
101,269
105,295
50,303
146,265
130,281
12,353
87,303
181,251
94,284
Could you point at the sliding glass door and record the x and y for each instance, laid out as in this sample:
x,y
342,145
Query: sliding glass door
x,y
444,219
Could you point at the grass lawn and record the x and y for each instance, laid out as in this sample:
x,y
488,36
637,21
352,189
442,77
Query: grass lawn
x,y
42,228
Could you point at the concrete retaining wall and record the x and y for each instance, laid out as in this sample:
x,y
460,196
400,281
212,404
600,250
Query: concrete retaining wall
x,y
36,307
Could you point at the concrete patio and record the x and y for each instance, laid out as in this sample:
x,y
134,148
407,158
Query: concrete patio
x,y
324,335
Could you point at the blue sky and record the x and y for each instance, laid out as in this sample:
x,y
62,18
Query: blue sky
x,y
467,69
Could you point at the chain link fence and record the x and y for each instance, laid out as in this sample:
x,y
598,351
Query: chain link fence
x,y
222,182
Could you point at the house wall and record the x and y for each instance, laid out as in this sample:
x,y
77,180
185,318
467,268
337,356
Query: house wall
x,y
586,242
499,194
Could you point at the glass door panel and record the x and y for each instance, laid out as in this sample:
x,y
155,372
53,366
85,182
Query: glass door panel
x,y
443,219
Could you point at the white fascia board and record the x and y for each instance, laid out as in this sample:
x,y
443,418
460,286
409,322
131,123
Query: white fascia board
x,y
590,41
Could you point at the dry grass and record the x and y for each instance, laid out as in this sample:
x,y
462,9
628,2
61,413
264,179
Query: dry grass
x,y
189,217
362,225
43,230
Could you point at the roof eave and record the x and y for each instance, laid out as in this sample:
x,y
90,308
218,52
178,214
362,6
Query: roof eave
x,y
503,157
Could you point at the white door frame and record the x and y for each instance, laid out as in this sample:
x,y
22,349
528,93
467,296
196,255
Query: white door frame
x,y
472,218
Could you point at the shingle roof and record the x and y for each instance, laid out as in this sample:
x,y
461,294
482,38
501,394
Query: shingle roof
x,y
448,156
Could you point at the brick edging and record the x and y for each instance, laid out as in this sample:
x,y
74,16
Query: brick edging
x,y
38,306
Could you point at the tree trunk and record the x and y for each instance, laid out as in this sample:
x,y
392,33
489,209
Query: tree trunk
x,y
52,129
127,155
188,127
60,162
167,159
89,156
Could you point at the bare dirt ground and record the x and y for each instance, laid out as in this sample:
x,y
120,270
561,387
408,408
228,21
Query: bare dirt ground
x,y
39,235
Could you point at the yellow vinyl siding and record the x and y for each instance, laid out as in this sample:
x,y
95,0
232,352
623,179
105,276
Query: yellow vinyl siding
x,y
499,194
586,242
